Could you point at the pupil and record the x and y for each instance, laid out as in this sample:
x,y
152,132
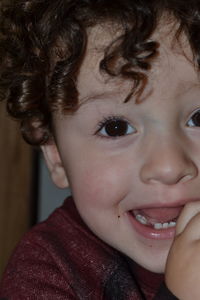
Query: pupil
x,y
196,119
116,128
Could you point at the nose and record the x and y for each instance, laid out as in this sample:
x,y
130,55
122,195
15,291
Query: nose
x,y
167,163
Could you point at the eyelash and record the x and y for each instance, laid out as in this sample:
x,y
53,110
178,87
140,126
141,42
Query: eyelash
x,y
194,113
117,121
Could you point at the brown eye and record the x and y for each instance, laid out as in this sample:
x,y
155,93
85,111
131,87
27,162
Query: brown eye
x,y
194,120
115,128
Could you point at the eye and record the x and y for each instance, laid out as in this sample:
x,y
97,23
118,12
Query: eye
x,y
115,127
194,121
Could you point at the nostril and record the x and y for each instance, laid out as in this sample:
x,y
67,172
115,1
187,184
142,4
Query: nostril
x,y
167,174
167,162
186,178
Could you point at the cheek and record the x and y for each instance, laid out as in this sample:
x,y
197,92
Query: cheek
x,y
101,183
98,189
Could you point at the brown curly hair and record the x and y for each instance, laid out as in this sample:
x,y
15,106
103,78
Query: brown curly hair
x,y
43,42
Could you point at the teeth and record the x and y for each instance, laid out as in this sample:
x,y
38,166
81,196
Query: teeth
x,y
158,225
141,219
165,225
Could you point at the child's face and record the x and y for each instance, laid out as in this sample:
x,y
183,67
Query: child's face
x,y
126,159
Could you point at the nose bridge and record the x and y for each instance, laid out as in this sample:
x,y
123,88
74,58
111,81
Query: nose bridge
x,y
167,160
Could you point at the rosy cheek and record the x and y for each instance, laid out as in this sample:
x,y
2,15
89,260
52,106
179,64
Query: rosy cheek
x,y
99,184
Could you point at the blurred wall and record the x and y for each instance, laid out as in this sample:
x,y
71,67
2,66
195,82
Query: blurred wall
x,y
15,186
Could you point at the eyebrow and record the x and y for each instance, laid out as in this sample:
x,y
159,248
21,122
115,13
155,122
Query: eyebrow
x,y
99,96
185,87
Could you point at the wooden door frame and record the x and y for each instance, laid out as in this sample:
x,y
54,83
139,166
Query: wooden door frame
x,y
16,171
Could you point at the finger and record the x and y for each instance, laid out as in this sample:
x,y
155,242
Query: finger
x,y
192,229
189,211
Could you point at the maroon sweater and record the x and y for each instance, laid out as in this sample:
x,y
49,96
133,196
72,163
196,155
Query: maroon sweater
x,y
62,259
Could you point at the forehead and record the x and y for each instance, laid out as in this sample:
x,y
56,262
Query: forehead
x,y
91,78
173,60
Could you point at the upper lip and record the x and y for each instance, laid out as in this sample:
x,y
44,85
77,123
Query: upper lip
x,y
167,204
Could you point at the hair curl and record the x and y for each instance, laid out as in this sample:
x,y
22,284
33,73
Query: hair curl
x,y
43,43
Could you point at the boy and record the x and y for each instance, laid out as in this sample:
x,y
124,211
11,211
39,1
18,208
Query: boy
x,y
110,91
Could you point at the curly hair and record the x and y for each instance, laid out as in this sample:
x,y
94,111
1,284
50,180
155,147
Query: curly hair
x,y
43,43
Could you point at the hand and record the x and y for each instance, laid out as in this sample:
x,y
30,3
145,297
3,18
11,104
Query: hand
x,y
182,274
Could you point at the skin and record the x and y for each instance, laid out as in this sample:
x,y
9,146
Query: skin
x,y
156,163
182,268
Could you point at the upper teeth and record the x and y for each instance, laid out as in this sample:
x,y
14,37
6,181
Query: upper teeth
x,y
165,225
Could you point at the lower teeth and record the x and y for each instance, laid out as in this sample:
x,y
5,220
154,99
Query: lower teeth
x,y
141,219
164,225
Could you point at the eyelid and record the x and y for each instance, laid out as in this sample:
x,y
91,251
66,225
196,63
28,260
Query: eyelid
x,y
105,120
108,119
191,115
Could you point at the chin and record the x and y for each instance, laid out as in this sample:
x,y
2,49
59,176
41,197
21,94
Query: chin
x,y
153,261
154,265
156,269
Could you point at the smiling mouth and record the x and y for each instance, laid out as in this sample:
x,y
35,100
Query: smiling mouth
x,y
156,225
157,218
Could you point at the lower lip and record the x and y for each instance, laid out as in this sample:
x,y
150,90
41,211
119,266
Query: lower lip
x,y
151,233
